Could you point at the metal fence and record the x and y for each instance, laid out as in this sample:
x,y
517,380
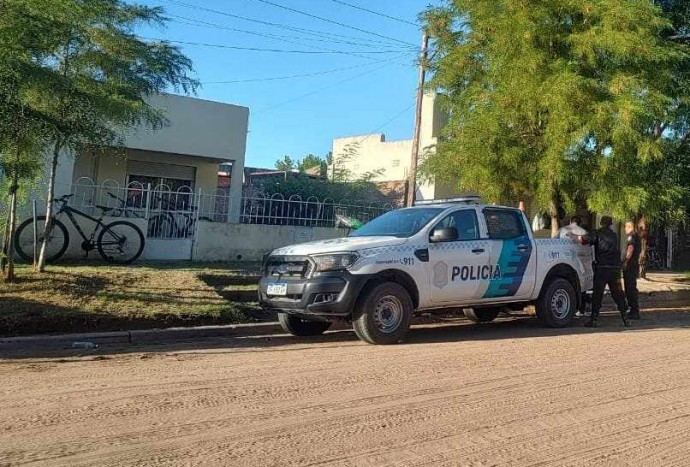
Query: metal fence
x,y
312,212
175,214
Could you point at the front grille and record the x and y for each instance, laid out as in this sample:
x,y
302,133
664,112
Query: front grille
x,y
288,267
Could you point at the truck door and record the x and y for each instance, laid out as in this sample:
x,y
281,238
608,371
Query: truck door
x,y
512,257
457,257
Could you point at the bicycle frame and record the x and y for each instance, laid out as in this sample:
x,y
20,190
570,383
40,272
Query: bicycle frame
x,y
70,211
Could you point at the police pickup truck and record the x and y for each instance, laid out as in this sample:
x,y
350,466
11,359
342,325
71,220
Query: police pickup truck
x,y
437,255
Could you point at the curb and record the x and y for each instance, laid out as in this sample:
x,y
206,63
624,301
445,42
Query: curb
x,y
146,336
648,300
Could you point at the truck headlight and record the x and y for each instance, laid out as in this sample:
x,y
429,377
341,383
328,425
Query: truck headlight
x,y
334,261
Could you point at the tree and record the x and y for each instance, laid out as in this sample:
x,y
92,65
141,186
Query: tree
x,y
23,37
96,80
310,161
286,164
553,100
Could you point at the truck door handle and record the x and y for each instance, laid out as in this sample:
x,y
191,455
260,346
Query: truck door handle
x,y
523,247
478,250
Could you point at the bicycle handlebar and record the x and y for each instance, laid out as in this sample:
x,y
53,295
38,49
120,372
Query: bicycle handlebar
x,y
64,198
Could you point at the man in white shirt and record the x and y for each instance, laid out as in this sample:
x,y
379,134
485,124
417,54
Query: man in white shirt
x,y
572,230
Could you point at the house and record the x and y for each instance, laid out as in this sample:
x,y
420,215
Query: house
x,y
183,156
382,161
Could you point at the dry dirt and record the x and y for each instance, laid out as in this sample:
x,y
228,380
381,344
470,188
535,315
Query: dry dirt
x,y
506,393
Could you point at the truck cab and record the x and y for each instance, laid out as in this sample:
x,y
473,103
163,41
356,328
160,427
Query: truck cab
x,y
437,255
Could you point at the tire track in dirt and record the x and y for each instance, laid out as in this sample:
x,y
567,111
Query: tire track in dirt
x,y
573,399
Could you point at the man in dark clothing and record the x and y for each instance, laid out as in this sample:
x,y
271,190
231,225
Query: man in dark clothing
x,y
631,267
607,270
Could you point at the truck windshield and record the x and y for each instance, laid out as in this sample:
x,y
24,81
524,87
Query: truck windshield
x,y
402,223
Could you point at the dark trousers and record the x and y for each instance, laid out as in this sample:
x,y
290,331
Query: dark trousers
x,y
630,283
602,278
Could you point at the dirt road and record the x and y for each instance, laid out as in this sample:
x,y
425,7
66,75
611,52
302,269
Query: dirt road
x,y
506,393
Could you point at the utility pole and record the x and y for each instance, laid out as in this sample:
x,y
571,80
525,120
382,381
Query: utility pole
x,y
412,176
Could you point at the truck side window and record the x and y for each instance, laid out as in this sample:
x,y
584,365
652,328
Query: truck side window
x,y
504,224
465,221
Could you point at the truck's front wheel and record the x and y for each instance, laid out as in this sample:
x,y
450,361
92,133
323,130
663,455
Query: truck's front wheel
x,y
383,314
302,327
557,304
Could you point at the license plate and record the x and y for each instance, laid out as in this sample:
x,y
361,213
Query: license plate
x,y
277,289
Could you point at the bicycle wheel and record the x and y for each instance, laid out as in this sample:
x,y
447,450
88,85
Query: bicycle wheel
x,y
120,242
58,241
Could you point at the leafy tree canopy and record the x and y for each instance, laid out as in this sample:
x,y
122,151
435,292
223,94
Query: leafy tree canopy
x,y
558,99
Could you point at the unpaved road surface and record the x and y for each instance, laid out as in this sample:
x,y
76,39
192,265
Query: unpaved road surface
x,y
506,393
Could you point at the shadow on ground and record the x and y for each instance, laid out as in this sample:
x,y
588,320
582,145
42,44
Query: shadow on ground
x,y
441,332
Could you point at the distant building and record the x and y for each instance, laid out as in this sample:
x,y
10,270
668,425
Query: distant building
x,y
389,161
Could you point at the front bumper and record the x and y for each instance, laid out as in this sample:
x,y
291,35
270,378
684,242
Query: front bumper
x,y
306,296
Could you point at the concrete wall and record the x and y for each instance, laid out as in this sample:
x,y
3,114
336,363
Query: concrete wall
x,y
196,127
374,153
250,242
100,166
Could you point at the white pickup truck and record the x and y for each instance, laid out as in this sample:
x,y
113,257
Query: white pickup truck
x,y
448,254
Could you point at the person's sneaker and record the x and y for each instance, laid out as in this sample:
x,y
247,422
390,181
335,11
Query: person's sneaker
x,y
592,323
626,321
579,314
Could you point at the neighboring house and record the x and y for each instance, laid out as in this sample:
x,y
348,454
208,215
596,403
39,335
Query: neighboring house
x,y
182,156
389,161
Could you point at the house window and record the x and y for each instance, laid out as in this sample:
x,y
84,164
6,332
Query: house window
x,y
172,185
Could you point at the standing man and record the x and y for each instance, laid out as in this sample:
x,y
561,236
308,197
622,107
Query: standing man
x,y
607,270
631,268
575,228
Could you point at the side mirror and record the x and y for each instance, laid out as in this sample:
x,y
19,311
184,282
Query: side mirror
x,y
449,234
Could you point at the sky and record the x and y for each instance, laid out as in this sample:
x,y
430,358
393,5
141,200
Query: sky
x,y
367,86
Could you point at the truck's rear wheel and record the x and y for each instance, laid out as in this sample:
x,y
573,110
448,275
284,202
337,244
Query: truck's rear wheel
x,y
302,327
383,314
482,315
557,304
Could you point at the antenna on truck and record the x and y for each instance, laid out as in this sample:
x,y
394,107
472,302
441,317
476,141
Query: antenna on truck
x,y
462,200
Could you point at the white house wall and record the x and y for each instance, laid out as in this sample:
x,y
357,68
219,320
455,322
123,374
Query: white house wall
x,y
196,128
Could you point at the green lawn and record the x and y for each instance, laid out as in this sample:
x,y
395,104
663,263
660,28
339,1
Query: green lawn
x,y
95,297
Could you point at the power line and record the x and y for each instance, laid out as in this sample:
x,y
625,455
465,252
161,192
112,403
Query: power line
x,y
280,78
313,32
388,122
377,13
321,18
260,49
325,88
197,22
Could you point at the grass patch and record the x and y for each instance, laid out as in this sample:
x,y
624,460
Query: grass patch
x,y
96,297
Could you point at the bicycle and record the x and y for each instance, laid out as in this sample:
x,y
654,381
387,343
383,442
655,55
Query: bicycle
x,y
166,225
125,209
119,242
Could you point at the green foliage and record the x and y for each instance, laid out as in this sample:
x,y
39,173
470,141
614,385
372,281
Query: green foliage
x,y
308,163
314,164
322,189
558,100
286,164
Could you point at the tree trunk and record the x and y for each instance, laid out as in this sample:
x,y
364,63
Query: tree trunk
x,y
41,265
643,232
5,243
554,211
9,272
